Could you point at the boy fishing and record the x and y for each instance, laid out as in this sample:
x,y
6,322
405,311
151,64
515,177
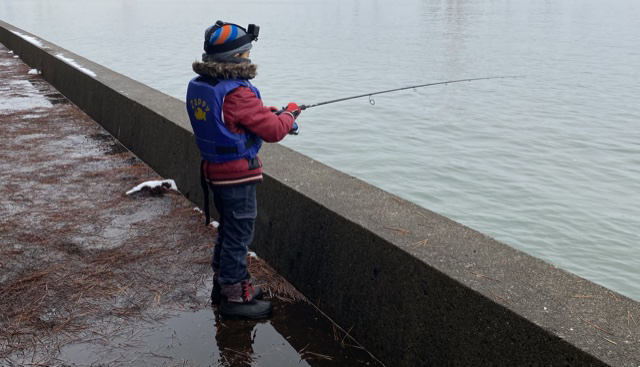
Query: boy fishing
x,y
230,123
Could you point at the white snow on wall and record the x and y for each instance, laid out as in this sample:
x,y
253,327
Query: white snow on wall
x,y
152,184
29,39
28,98
73,63
34,72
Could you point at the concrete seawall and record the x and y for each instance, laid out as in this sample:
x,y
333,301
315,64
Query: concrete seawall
x,y
414,287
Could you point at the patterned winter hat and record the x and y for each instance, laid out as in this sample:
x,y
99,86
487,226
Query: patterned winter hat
x,y
224,40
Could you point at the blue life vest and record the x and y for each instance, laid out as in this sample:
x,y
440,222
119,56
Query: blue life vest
x,y
217,144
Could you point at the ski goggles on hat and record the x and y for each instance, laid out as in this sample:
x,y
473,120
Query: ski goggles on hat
x,y
223,37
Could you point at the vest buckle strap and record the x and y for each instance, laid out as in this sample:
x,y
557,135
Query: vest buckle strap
x,y
240,147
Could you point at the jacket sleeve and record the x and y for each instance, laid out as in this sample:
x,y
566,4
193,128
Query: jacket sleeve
x,y
243,109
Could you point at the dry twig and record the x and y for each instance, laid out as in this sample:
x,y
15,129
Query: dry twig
x,y
401,231
479,275
597,327
630,318
423,243
586,296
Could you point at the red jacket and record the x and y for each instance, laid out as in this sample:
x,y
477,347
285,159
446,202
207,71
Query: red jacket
x,y
242,111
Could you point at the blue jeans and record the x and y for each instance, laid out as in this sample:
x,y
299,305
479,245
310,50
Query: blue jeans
x,y
237,208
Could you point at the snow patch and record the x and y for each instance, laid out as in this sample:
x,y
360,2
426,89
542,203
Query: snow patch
x,y
34,72
253,254
29,39
73,63
10,52
23,103
153,184
22,86
29,98
213,222
16,57
30,116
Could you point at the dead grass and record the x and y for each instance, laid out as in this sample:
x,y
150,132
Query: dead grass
x,y
272,283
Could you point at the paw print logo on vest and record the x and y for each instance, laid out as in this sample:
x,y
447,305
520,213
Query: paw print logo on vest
x,y
200,114
199,108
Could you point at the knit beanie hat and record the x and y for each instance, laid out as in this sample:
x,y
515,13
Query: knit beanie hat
x,y
224,40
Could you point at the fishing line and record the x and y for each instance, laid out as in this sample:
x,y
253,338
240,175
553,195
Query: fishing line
x,y
414,87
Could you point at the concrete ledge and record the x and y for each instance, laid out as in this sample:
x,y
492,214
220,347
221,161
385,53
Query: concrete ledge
x,y
413,287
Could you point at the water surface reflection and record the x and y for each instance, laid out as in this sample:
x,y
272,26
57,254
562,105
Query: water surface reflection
x,y
297,335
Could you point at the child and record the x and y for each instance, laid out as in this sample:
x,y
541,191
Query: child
x,y
229,123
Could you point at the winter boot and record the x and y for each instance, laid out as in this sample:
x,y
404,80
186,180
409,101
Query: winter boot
x,y
238,302
216,297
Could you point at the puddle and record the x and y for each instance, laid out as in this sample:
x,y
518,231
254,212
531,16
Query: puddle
x,y
296,336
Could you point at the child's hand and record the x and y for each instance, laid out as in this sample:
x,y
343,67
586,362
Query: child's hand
x,y
274,109
294,109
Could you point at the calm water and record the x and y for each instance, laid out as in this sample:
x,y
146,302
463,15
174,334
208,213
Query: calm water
x,y
549,164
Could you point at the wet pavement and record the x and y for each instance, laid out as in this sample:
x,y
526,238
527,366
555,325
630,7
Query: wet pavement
x,y
91,275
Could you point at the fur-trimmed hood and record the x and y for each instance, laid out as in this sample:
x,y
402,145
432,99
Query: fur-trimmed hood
x,y
225,70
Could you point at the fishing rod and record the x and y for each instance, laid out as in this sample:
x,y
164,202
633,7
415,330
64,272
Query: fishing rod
x,y
304,107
